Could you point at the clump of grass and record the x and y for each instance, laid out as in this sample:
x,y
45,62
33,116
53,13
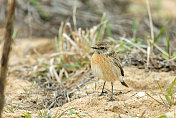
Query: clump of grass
x,y
71,111
73,48
165,52
11,108
46,114
104,26
28,91
169,95
153,40
27,114
161,32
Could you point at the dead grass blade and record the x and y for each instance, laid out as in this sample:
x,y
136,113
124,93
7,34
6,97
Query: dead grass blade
x,y
151,24
133,44
154,98
61,53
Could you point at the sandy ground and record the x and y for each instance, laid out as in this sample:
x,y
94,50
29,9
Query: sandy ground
x,y
129,102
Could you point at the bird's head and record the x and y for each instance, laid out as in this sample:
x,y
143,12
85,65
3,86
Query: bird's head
x,y
102,47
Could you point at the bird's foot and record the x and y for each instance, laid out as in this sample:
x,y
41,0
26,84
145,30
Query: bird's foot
x,y
102,93
111,99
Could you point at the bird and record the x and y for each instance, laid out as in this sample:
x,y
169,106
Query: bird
x,y
106,65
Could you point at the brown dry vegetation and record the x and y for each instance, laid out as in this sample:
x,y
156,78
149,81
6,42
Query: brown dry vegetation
x,y
52,77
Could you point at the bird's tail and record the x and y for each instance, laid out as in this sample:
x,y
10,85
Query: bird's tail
x,y
123,82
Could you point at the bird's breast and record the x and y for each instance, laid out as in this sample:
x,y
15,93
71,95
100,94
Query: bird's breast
x,y
103,68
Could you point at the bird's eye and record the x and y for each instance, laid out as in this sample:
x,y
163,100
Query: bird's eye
x,y
102,47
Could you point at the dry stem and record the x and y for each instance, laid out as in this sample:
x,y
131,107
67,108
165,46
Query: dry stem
x,y
6,49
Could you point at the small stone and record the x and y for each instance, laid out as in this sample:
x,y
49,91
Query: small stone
x,y
157,79
92,76
140,94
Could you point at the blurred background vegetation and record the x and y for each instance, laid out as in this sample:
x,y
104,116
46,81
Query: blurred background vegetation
x,y
124,18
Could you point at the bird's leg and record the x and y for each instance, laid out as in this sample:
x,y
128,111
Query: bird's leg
x,y
102,92
111,99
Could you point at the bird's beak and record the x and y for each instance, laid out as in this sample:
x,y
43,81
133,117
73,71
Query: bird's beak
x,y
93,47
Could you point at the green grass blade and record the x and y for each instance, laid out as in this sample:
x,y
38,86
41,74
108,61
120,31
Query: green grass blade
x,y
168,44
71,112
99,35
174,55
161,50
162,99
163,116
63,113
134,29
160,87
27,115
14,34
135,25
78,115
172,86
168,100
43,14
161,32
169,97
108,30
154,98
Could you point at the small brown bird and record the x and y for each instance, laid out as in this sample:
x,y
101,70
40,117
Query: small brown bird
x,y
106,65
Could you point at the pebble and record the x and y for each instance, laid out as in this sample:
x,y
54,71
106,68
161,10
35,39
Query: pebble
x,y
140,94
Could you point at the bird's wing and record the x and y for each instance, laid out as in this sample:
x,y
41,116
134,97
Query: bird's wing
x,y
116,61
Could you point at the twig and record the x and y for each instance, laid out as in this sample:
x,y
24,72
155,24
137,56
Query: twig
x,y
124,39
150,47
84,82
160,49
62,53
51,105
151,23
148,54
174,58
29,19
81,84
74,18
53,72
154,98
70,40
6,49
